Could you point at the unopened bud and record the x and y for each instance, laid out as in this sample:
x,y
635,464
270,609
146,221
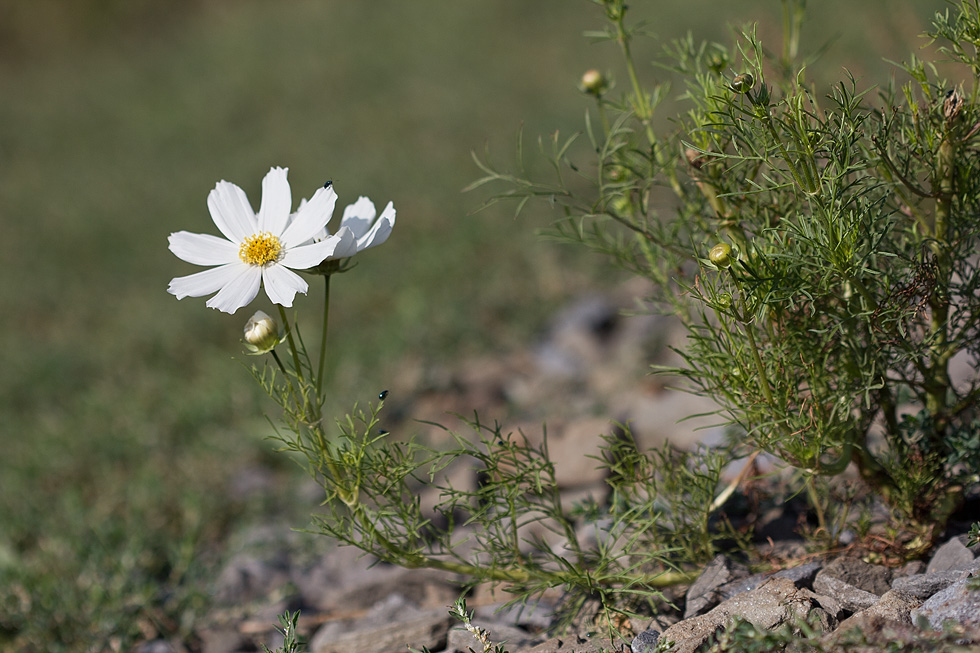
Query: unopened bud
x,y
721,255
743,83
594,83
261,334
717,61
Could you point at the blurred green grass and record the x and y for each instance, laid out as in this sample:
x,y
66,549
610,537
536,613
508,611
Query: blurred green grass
x,y
124,416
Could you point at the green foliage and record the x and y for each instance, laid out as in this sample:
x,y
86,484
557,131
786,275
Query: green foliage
x,y
504,531
291,642
818,255
122,428
826,327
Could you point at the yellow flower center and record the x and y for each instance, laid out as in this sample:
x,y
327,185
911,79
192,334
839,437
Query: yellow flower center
x,y
260,249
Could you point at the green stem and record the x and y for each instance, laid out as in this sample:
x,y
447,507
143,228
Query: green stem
x,y
666,579
807,183
760,368
299,371
290,341
814,496
643,109
936,384
603,117
323,339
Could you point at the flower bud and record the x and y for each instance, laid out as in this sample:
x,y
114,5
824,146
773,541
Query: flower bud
x,y
717,61
621,205
261,334
721,255
594,83
743,83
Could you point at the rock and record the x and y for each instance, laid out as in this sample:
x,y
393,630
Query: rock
x,y
860,574
742,585
575,450
575,644
645,642
894,607
685,420
922,586
851,598
535,616
910,568
346,581
703,593
155,646
430,630
248,577
954,554
221,639
577,337
803,575
461,640
776,602
959,603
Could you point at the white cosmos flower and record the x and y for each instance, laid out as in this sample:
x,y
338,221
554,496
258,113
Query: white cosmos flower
x,y
359,218
258,249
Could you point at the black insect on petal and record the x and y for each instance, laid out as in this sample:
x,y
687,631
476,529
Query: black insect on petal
x,y
328,183
382,394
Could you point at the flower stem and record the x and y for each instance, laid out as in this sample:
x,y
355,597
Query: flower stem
x,y
290,341
323,339
292,348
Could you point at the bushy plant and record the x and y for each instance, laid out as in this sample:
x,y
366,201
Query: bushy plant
x,y
818,246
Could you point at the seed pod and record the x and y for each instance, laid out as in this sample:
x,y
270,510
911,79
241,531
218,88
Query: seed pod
x,y
721,255
952,105
743,83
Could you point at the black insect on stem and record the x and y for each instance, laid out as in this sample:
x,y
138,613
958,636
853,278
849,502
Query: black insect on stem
x,y
382,395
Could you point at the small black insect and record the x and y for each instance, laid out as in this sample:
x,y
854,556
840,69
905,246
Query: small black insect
x,y
328,183
382,431
382,394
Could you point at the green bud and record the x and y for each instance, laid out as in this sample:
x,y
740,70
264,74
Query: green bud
x,y
743,83
721,255
262,334
717,61
615,173
621,205
594,83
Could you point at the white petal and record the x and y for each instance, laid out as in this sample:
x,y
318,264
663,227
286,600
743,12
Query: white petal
x,y
231,211
358,216
380,231
276,202
203,249
239,291
281,285
340,245
311,218
205,283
